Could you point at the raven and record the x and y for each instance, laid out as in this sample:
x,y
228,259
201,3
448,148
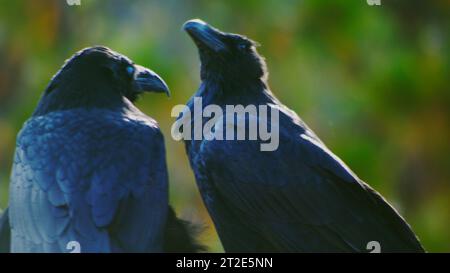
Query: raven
x,y
298,198
89,171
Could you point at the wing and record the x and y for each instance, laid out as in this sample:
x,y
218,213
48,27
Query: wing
x,y
95,178
301,197
4,232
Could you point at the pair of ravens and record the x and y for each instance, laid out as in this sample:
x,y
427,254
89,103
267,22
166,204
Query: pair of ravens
x,y
90,168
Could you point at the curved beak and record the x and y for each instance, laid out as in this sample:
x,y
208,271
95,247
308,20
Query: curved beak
x,y
148,81
205,36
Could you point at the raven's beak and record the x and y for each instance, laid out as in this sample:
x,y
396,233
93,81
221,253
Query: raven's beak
x,y
147,80
205,35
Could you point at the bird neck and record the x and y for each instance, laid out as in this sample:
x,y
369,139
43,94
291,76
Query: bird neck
x,y
75,94
218,91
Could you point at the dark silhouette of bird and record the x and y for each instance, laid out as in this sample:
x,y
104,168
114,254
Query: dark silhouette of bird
x,y
299,197
89,169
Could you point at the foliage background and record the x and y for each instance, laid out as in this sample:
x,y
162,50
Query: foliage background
x,y
371,81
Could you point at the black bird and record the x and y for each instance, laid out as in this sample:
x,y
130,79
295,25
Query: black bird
x,y
89,170
298,198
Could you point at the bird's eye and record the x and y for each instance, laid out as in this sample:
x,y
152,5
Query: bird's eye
x,y
243,46
130,70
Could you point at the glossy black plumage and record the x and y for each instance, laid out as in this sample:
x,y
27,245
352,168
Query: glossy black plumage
x,y
89,166
300,197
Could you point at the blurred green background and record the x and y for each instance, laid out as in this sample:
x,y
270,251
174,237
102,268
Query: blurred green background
x,y
372,81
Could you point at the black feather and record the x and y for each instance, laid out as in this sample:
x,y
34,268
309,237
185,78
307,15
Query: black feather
x,y
5,233
181,236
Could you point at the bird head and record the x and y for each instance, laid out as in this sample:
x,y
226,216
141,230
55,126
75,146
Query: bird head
x,y
231,57
96,76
